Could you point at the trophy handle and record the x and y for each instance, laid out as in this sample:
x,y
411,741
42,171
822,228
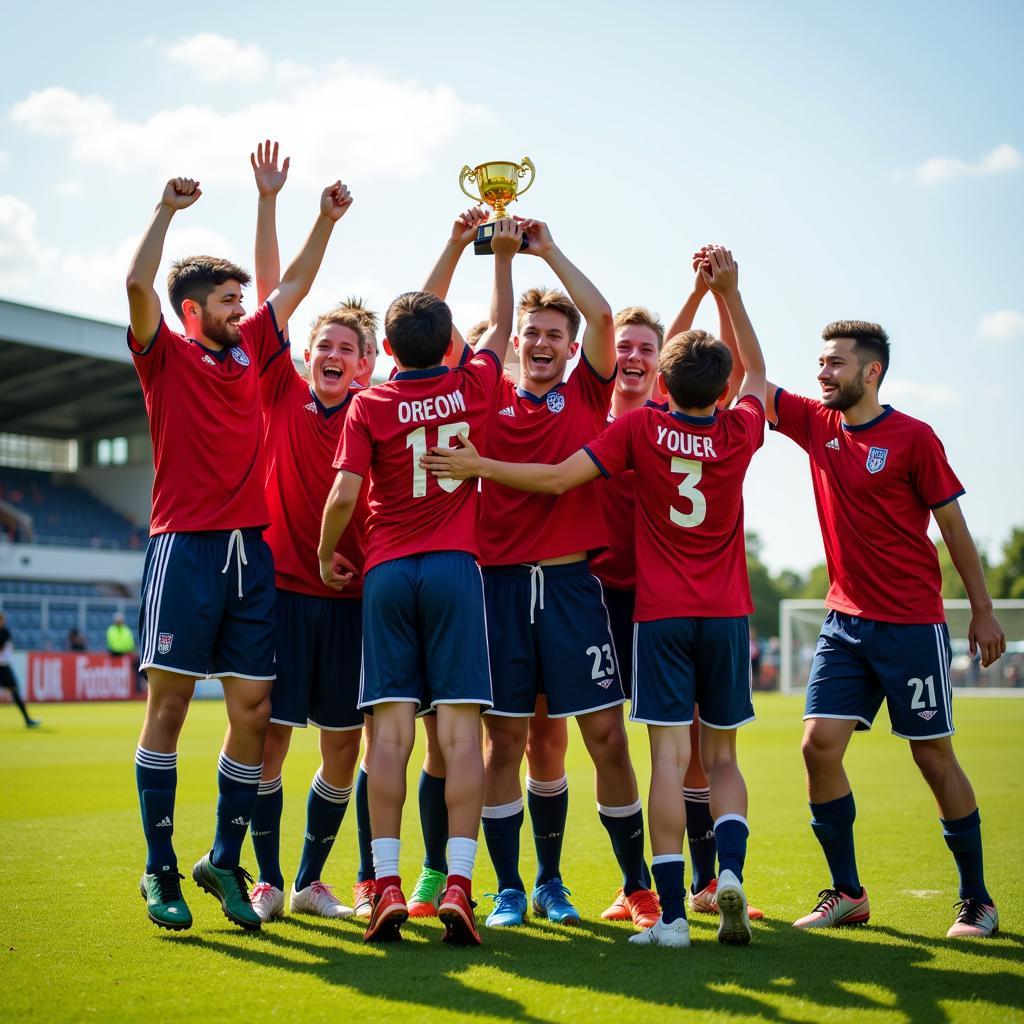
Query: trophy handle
x,y
526,165
466,174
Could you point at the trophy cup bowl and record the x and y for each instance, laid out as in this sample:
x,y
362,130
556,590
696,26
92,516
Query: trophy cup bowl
x,y
499,182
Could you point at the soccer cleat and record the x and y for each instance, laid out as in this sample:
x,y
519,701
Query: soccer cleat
x,y
644,908
974,919
426,897
835,910
268,901
164,902
509,909
705,902
318,899
389,914
733,922
618,911
549,900
676,934
228,885
362,898
456,911
34,723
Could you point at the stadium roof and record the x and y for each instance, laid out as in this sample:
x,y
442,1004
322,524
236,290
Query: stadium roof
x,y
65,376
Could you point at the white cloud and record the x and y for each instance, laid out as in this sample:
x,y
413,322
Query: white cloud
x,y
1002,325
915,393
214,58
945,168
70,188
22,257
341,121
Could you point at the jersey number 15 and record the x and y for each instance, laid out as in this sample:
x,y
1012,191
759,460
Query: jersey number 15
x,y
417,441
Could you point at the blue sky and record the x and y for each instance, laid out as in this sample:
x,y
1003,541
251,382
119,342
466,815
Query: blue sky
x,y
862,161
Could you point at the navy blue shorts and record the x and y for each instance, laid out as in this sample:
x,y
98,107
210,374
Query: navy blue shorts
x,y
858,663
621,604
678,663
425,632
208,605
550,635
319,659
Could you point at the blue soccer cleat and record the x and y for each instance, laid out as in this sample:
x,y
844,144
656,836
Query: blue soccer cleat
x,y
509,909
549,900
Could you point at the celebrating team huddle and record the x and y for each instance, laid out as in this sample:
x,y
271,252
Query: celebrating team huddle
x,y
458,546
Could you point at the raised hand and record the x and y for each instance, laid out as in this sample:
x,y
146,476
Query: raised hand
x,y
270,178
180,193
335,201
540,241
720,271
464,228
507,237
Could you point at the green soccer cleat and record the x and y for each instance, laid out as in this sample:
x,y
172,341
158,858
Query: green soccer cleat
x,y
426,897
230,886
164,903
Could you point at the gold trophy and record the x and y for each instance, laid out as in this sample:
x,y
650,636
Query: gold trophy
x,y
499,184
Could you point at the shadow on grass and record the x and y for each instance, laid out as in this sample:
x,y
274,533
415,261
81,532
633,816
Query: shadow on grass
x,y
782,969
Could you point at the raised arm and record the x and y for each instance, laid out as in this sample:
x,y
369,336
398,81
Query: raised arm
x,y
599,334
722,274
143,301
298,278
466,462
270,180
684,318
508,236
984,632
341,503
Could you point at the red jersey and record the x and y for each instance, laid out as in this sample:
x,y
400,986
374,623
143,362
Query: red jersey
x,y
302,436
616,565
690,546
389,428
204,421
516,526
874,486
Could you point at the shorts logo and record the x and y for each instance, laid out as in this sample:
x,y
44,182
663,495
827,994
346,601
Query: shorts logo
x,y
927,715
876,459
239,356
604,683
164,641
556,401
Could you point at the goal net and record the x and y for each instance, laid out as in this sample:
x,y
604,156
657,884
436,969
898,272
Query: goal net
x,y
800,623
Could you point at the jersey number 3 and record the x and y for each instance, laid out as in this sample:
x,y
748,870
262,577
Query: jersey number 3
x,y
417,441
688,490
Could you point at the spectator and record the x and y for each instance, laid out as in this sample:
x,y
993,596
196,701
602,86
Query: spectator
x,y
755,660
7,679
76,641
120,639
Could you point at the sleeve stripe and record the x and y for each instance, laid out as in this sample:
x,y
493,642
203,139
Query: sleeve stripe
x,y
597,462
145,350
953,497
586,362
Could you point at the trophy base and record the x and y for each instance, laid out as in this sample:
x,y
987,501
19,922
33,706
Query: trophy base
x,y
482,242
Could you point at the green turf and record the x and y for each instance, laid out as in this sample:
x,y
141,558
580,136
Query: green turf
x,y
76,943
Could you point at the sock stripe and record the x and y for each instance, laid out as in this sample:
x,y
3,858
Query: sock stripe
x,y
247,774
667,858
503,810
732,817
151,759
539,787
621,812
697,796
332,794
268,786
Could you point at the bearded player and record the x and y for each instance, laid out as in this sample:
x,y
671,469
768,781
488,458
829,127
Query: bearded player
x,y
879,476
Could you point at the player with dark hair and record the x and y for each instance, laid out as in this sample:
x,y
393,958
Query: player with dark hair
x,y
425,628
208,587
879,476
8,681
318,629
691,642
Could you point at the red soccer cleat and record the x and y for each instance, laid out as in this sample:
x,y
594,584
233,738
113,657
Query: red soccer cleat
x,y
706,902
456,911
362,898
389,914
618,911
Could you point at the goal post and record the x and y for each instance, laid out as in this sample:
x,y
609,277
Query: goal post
x,y
800,623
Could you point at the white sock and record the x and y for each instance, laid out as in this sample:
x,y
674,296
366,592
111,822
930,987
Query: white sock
x,y
385,857
461,855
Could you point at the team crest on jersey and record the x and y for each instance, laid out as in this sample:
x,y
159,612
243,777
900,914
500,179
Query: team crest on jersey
x,y
876,459
556,401
207,359
239,356
164,641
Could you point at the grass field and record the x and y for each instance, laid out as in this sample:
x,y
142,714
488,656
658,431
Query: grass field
x,y
77,944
